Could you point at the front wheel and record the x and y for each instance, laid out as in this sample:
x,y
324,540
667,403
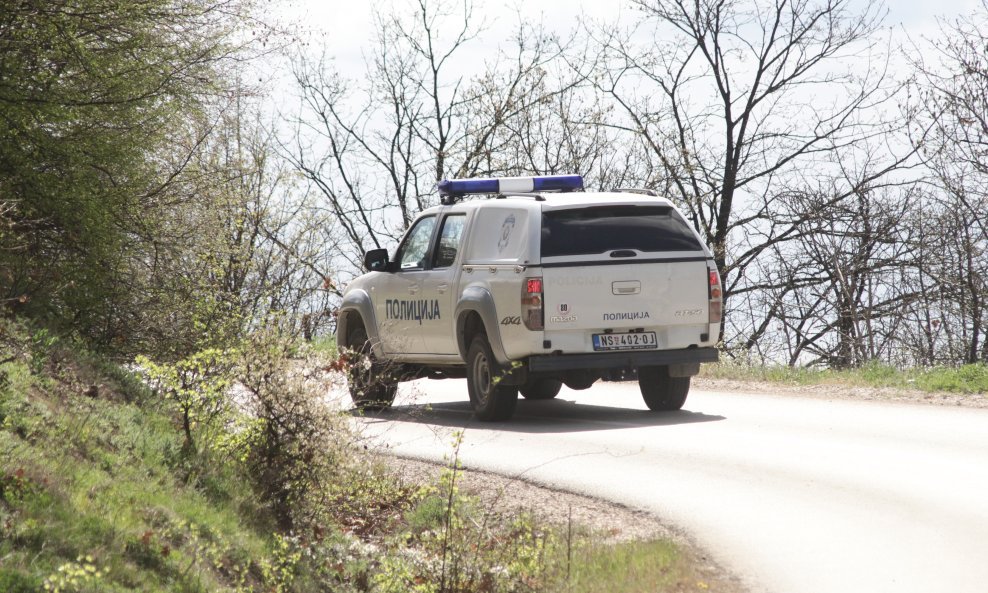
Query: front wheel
x,y
371,387
491,401
661,392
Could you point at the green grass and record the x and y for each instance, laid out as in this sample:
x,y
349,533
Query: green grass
x,y
93,482
967,379
325,345
640,567
972,378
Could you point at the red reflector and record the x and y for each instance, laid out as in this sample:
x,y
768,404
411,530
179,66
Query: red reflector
x,y
534,285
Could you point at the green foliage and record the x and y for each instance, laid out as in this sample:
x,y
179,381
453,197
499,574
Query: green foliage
x,y
326,345
95,496
15,581
41,345
103,106
277,426
296,442
432,512
198,385
89,499
74,576
451,544
279,572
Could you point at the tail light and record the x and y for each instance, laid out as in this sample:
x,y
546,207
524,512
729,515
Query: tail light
x,y
716,297
531,304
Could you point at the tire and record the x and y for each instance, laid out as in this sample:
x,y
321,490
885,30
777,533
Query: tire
x,y
661,392
371,388
541,389
491,402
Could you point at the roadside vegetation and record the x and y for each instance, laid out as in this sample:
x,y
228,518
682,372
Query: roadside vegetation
x,y
161,480
965,379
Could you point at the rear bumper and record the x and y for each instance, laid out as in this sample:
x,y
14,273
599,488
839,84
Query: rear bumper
x,y
619,360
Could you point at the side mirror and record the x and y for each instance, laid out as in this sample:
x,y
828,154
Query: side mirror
x,y
376,260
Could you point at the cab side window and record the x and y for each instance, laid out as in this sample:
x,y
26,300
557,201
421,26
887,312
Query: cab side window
x,y
411,255
449,240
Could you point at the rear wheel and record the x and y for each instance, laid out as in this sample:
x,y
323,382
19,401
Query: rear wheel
x,y
660,391
491,401
541,389
371,386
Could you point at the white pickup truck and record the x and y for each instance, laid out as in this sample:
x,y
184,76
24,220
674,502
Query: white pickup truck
x,y
542,286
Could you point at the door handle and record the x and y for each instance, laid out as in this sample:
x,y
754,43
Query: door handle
x,y
413,289
442,288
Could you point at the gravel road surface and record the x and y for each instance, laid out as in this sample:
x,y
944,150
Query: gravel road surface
x,y
792,494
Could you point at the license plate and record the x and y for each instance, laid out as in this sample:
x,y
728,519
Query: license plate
x,y
624,341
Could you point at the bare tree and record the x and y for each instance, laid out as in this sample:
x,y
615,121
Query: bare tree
x,y
375,152
954,92
857,250
941,325
740,100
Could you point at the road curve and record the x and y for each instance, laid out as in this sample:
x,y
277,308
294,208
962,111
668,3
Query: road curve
x,y
795,495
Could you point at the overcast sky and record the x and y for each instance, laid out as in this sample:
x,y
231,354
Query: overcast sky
x,y
345,27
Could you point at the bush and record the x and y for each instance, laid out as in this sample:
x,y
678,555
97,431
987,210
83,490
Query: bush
x,y
198,385
294,443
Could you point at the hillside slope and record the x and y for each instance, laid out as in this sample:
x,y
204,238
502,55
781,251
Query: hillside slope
x,y
100,491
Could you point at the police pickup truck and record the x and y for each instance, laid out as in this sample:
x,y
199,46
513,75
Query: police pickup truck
x,y
541,287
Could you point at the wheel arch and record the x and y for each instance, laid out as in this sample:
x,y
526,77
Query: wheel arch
x,y
475,313
357,308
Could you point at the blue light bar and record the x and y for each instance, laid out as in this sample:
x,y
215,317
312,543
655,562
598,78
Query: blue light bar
x,y
497,185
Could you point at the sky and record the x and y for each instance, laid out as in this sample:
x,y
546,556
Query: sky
x,y
345,29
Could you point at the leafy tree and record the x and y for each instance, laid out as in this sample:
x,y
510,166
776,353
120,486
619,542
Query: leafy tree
x,y
237,249
92,94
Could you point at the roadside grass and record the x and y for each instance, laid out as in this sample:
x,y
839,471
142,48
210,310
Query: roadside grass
x,y
967,379
325,345
482,545
639,567
98,494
